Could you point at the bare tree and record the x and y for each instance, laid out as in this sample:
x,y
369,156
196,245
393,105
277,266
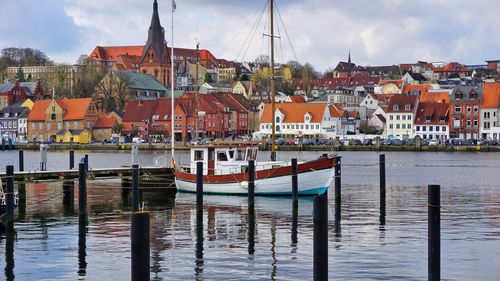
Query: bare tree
x,y
112,93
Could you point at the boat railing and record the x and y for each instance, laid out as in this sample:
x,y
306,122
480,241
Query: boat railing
x,y
233,170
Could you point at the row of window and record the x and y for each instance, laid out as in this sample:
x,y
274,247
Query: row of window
x,y
487,114
436,137
400,126
48,125
458,109
293,127
401,117
430,128
8,124
486,125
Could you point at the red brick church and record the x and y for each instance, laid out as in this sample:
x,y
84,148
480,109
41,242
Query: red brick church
x,y
153,58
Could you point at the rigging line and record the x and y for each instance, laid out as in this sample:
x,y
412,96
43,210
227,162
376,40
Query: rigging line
x,y
249,19
280,43
286,32
251,38
252,31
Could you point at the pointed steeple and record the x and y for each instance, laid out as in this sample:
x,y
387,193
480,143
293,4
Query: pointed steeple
x,y
156,46
348,59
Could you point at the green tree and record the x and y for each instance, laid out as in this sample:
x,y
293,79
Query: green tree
x,y
20,75
87,80
295,68
208,78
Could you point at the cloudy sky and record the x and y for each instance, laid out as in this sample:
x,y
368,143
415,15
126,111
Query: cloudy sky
x,y
378,32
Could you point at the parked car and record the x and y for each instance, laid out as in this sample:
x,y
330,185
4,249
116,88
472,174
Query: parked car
x,y
386,142
410,142
433,142
354,142
367,142
397,142
138,140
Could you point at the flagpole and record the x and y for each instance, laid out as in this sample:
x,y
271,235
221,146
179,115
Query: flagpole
x,y
172,137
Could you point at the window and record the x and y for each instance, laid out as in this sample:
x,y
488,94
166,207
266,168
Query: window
x,y
32,125
475,122
424,128
397,126
390,126
391,117
75,125
468,109
437,128
456,123
409,126
395,107
307,127
277,119
48,125
221,156
198,155
317,127
468,123
457,109
409,117
475,109
59,125
53,117
398,117
403,126
431,128
425,136
403,117
417,128
443,128
407,106
486,115
40,125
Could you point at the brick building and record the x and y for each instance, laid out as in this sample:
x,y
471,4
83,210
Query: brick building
x,y
465,102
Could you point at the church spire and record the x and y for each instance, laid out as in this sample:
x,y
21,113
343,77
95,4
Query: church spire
x,y
348,59
156,46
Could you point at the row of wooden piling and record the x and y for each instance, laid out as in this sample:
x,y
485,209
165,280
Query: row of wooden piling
x,y
140,220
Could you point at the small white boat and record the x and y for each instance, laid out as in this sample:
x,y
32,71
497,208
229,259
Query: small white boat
x,y
225,171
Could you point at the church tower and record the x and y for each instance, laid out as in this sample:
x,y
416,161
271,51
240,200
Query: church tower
x,y
155,59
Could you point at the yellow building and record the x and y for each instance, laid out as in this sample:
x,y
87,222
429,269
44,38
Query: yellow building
x,y
79,136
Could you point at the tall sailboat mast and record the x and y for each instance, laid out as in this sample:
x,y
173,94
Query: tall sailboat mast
x,y
172,140
273,86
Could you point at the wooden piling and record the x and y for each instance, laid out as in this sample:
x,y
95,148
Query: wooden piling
x,y
82,189
21,160
71,159
295,182
434,233
338,189
382,188
9,197
139,235
86,161
135,188
82,245
320,247
251,207
69,195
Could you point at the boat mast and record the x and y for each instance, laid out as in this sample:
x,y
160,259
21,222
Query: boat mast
x,y
196,87
172,140
273,88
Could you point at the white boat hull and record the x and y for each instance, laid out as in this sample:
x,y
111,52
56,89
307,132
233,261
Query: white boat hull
x,y
309,183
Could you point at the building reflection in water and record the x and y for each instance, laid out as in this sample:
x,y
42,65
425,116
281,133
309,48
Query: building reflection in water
x,y
82,245
9,252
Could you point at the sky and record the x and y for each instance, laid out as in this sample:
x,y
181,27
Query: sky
x,y
321,32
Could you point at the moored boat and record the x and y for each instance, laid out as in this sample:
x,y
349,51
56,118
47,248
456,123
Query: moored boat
x,y
225,171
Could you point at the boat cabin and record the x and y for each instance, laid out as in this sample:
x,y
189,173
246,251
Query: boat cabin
x,y
222,160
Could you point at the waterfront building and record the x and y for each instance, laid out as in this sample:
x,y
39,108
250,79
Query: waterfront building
x,y
13,121
51,118
309,120
103,128
490,112
432,121
465,102
400,116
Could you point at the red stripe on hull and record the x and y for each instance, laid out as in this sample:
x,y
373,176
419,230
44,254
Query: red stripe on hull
x,y
315,165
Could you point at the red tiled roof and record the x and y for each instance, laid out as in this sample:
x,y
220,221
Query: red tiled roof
x,y
104,123
491,95
401,101
294,112
37,112
433,111
336,111
113,52
139,110
298,99
422,88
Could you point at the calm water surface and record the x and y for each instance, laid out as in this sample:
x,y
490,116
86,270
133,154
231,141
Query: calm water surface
x,y
49,246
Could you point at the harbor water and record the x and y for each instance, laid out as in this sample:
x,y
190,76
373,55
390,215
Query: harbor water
x,y
47,244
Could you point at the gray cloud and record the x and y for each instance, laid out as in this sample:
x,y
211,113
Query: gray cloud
x,y
322,31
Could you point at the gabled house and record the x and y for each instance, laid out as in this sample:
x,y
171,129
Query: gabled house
x,y
432,121
490,112
13,121
246,88
400,116
465,103
51,118
137,117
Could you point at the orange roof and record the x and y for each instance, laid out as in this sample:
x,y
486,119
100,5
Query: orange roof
x,y
298,99
491,95
422,88
113,52
295,112
438,97
104,122
74,109
336,111
37,113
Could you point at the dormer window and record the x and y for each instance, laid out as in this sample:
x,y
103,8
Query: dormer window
x,y
407,106
458,95
442,119
395,107
428,118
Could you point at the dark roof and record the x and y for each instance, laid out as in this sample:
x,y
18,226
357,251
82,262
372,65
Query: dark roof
x,y
417,76
14,109
466,92
345,67
140,81
432,113
401,100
